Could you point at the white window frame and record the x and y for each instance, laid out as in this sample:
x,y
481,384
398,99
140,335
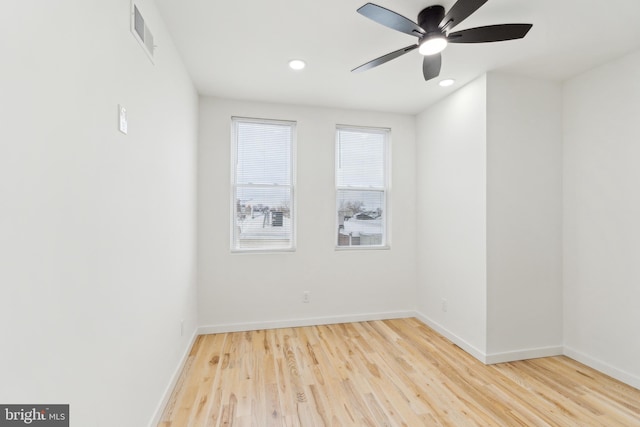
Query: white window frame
x,y
234,185
386,189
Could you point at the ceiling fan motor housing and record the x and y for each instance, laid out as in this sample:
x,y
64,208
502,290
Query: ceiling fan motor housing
x,y
429,19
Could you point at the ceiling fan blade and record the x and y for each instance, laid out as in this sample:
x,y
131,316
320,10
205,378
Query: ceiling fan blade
x,y
385,58
391,19
431,66
490,33
459,12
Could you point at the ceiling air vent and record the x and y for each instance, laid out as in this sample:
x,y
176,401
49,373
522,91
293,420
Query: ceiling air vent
x,y
141,32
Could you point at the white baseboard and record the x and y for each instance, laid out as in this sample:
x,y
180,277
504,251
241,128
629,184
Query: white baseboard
x,y
469,348
531,353
155,420
294,323
605,368
490,359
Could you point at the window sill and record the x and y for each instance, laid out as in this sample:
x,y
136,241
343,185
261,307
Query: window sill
x,y
263,251
362,248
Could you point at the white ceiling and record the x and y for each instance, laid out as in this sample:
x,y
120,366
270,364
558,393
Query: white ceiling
x,y
240,48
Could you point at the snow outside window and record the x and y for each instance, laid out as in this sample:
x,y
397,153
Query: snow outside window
x,y
263,185
362,173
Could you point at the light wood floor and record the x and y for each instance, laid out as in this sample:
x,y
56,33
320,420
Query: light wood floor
x,y
383,373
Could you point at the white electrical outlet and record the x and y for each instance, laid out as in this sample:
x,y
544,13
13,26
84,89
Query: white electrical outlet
x,y
306,296
444,305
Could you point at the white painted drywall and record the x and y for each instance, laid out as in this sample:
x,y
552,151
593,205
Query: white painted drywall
x,y
524,215
451,186
601,218
265,289
97,229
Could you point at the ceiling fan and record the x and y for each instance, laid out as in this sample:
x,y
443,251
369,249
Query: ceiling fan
x,y
433,33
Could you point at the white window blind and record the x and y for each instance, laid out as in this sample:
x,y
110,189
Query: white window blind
x,y
362,187
263,185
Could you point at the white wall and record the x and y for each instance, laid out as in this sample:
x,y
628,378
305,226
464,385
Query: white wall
x,y
97,229
601,212
524,217
239,291
489,208
451,185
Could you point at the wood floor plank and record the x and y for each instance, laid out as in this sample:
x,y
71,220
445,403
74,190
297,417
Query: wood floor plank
x,y
383,373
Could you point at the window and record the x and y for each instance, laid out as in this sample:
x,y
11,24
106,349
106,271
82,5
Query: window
x,y
263,185
362,187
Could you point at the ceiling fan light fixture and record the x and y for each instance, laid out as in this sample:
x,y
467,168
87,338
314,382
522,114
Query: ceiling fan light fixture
x,y
432,45
446,82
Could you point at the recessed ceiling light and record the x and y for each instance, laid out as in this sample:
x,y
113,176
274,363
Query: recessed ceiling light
x,y
446,82
297,64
